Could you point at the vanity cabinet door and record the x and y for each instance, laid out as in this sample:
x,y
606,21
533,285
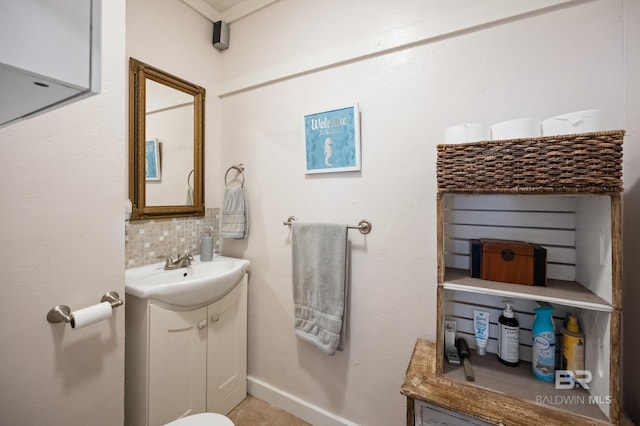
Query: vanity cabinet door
x,y
177,362
227,350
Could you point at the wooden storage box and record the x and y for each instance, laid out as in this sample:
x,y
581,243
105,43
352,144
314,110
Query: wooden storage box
x,y
515,262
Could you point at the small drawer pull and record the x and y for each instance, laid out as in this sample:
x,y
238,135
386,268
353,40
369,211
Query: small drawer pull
x,y
202,324
215,317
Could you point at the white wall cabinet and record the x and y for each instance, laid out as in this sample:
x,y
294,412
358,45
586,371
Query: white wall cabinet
x,y
49,55
184,362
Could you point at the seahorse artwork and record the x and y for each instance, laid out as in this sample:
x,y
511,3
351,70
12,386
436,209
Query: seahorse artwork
x,y
332,140
328,151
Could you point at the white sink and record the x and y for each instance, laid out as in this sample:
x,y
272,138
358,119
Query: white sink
x,y
202,282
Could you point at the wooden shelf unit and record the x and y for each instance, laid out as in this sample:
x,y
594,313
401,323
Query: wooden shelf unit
x,y
580,225
598,304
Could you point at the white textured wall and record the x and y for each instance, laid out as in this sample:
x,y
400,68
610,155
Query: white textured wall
x,y
631,214
61,233
558,61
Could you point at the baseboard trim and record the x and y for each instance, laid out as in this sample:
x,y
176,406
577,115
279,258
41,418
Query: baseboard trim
x,y
294,405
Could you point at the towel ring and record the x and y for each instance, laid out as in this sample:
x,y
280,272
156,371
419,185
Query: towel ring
x,y
239,170
189,179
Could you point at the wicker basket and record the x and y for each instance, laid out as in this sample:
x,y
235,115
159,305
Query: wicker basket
x,y
587,162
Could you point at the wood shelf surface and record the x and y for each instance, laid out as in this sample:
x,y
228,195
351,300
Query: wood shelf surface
x,y
518,382
567,293
514,404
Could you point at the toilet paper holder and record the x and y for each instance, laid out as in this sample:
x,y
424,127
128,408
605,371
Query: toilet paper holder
x,y
62,313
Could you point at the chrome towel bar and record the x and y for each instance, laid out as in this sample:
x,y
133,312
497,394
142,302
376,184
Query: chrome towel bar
x,y
364,226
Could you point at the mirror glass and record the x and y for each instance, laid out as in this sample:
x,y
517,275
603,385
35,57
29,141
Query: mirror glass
x,y
166,137
169,130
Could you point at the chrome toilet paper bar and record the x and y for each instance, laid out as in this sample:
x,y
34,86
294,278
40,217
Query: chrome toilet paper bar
x,y
62,313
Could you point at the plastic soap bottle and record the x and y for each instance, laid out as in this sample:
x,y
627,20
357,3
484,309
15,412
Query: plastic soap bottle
x,y
508,337
572,345
543,361
206,246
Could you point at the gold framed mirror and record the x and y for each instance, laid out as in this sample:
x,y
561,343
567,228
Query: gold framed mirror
x,y
166,144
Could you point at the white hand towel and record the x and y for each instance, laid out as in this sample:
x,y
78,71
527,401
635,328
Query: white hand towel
x,y
319,260
235,213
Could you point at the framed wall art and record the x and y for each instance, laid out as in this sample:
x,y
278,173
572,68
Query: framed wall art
x,y
152,159
332,140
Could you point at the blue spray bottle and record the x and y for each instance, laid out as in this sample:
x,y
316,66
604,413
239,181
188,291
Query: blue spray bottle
x,y
543,361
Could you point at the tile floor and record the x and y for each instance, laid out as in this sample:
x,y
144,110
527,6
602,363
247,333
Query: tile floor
x,y
255,412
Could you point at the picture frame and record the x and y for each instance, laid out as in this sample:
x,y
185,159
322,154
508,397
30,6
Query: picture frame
x,y
332,140
152,160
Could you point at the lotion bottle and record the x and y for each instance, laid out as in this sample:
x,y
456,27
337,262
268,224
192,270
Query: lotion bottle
x,y
508,337
206,247
481,328
572,346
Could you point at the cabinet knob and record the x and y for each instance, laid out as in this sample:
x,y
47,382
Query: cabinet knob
x,y
215,317
202,324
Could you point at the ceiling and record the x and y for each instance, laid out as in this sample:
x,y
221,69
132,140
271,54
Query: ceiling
x,y
227,10
222,5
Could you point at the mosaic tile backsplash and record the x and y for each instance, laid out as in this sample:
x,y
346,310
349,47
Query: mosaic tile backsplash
x,y
147,240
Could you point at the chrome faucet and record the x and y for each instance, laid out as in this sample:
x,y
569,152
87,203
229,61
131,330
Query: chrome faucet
x,y
181,262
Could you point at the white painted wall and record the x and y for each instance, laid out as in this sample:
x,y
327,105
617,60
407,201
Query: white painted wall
x,y
631,214
62,229
566,59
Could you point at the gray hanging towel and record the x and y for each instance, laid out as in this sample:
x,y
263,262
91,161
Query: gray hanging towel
x,y
235,213
189,197
319,260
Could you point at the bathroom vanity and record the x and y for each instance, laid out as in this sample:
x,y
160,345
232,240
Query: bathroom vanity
x,y
185,360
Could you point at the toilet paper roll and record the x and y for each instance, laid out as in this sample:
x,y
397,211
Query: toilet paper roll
x,y
91,315
467,132
591,120
517,128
